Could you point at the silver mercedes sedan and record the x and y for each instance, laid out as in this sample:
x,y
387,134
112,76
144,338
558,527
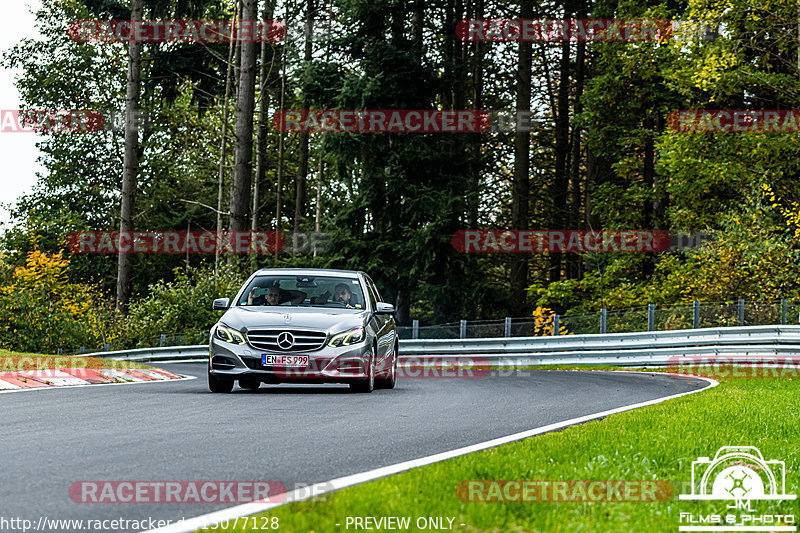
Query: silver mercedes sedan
x,y
304,326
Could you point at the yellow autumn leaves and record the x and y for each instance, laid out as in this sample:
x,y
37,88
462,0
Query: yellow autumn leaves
x,y
41,310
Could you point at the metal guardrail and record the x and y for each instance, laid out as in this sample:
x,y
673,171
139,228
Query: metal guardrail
x,y
736,313
745,344
144,355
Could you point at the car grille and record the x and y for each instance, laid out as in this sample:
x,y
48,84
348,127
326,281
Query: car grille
x,y
304,341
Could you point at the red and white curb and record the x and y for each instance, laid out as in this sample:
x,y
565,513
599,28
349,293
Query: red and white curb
x,y
76,377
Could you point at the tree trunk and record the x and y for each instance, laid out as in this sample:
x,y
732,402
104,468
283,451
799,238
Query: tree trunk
x,y
266,66
418,24
648,175
558,218
130,159
243,128
573,260
281,152
520,186
402,306
447,55
302,164
476,167
223,145
318,203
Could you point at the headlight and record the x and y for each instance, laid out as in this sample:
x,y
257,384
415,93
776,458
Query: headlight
x,y
350,336
227,334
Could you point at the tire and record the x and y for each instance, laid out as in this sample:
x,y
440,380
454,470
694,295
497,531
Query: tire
x,y
366,385
390,381
218,384
249,383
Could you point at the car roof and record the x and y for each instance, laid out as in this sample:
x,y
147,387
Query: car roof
x,y
309,271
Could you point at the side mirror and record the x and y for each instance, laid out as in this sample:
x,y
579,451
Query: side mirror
x,y
221,304
384,309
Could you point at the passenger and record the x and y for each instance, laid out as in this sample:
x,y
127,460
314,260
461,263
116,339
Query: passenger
x,y
276,296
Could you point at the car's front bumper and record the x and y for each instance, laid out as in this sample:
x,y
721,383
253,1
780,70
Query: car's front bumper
x,y
344,364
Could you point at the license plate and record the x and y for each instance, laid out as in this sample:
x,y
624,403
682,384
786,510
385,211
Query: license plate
x,y
284,360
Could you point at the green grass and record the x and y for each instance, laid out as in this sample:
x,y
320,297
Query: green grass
x,y
658,442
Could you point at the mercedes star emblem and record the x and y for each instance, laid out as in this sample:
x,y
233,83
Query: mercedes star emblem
x,y
285,340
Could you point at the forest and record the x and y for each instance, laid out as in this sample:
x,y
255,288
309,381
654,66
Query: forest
x,y
569,133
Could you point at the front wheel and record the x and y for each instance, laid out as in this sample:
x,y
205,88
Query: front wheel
x,y
366,385
218,384
389,381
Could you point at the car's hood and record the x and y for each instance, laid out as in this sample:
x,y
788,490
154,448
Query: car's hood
x,y
322,319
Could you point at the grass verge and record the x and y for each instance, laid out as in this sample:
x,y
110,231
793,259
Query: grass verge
x,y
657,442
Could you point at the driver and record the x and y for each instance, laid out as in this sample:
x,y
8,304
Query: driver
x,y
275,296
343,294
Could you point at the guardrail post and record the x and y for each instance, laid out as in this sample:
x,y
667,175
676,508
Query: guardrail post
x,y
556,324
696,313
462,334
741,311
415,329
83,349
784,311
106,347
59,351
603,314
508,326
651,317
162,340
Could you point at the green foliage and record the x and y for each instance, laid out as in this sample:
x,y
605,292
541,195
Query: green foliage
x,y
755,255
181,306
41,311
391,202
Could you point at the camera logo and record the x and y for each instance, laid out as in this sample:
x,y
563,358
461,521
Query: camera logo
x,y
738,473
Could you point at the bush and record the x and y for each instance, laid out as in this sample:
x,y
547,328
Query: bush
x,y
180,309
41,311
544,319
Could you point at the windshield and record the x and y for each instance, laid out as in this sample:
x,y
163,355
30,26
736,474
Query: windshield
x,y
304,291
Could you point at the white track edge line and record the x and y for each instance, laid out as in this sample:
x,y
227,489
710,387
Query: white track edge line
x,y
247,509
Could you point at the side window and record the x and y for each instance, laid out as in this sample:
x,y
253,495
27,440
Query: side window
x,y
375,288
371,291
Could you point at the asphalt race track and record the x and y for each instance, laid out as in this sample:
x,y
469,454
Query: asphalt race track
x,y
298,435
